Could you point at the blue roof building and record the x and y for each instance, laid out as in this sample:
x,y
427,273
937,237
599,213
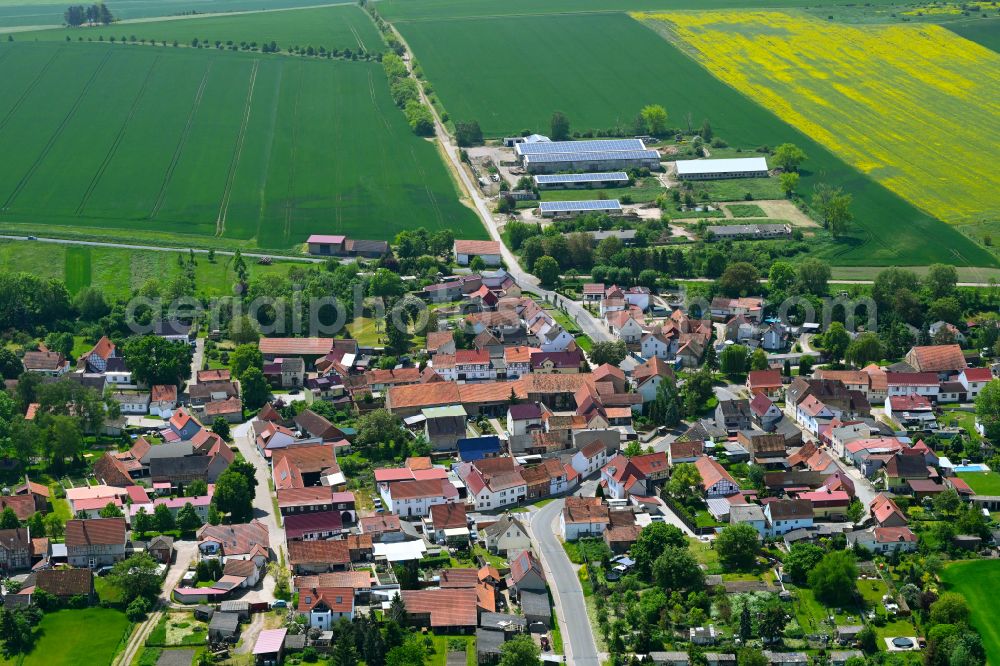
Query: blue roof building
x,y
472,449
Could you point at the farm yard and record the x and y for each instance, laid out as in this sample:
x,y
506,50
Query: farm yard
x,y
932,97
340,27
588,66
977,581
206,143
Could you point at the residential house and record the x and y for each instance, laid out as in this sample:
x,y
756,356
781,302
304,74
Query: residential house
x,y
774,337
925,384
911,411
324,607
440,342
622,477
764,413
15,550
785,515
687,451
447,610
464,365
624,326
96,360
590,459
715,480
95,542
449,523
945,360
766,382
884,539
48,363
723,308
739,329
901,468
565,362
734,415
765,449
467,250
526,573
414,498
163,400
583,517
749,514
506,535
973,380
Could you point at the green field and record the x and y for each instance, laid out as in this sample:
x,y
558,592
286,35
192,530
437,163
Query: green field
x,y
978,581
600,69
331,27
983,483
983,31
118,272
259,149
77,638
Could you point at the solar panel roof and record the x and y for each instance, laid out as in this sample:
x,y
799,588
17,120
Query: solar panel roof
x,y
581,177
598,204
577,157
596,146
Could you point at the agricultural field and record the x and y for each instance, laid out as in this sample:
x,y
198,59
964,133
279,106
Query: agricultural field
x,y
978,581
600,69
340,27
261,150
930,99
982,32
118,272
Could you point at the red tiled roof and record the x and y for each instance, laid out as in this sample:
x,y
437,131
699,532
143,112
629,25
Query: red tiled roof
x,y
937,358
711,472
420,489
95,532
163,393
337,599
764,379
978,374
22,505
446,607
448,516
894,534
332,551
476,247
295,346
459,578
358,580
909,403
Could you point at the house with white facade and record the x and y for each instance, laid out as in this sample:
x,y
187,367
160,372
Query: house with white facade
x,y
465,365
624,326
590,459
785,515
507,535
326,606
414,498
974,379
583,517
715,480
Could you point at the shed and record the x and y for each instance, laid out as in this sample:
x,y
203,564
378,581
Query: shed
x,y
224,627
269,649
295,642
241,608
204,613
488,644
536,608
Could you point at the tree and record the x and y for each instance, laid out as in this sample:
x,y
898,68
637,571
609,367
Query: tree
x,y
802,558
243,331
468,134
519,651
221,427
772,621
36,523
788,157
805,365
947,502
196,488
386,284
111,511
163,519
855,510
737,546
55,528
864,349
652,540
834,207
665,409
10,365
813,277
655,117
988,409
677,569
559,126
696,392
546,269
612,352
75,15
214,517
789,182
380,426
8,519
234,496
136,576
155,360
739,279
946,309
950,608
143,522
781,277
60,342
941,280
758,359
255,388
833,579
137,609
419,118
751,657
245,357
17,629
187,519
733,360
836,340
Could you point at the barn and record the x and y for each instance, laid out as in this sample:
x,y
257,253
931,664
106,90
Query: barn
x,y
740,167
571,208
597,155
568,181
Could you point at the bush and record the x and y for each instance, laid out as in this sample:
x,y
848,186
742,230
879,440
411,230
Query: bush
x,y
77,601
309,655
137,610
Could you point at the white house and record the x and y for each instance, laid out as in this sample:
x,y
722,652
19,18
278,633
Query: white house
x,y
415,498
638,296
909,383
786,515
590,459
132,402
466,250
884,539
583,518
325,606
974,379
553,338
524,418
910,410
656,344
465,364
623,326
507,535
810,412
715,480
495,491
749,514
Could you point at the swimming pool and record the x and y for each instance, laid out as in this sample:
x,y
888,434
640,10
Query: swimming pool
x,y
975,467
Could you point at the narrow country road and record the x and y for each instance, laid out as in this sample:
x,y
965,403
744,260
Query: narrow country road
x,y
577,635
262,505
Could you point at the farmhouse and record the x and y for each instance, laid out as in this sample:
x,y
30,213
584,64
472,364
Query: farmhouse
x,y
599,155
571,208
581,180
743,167
488,251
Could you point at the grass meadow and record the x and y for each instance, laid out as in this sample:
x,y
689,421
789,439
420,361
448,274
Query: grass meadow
x,y
76,638
930,100
977,581
602,68
258,149
339,27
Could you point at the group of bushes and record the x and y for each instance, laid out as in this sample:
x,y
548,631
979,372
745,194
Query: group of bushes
x,y
406,94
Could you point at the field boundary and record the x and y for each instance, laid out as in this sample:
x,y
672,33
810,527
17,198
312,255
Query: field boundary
x,y
220,222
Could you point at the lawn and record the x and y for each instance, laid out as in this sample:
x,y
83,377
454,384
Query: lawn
x,y
982,483
978,581
342,27
78,638
259,150
931,99
441,646
746,210
587,65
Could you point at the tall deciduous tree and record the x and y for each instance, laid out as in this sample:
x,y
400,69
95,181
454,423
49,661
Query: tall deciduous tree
x,y
559,127
655,117
788,156
233,496
155,360
737,546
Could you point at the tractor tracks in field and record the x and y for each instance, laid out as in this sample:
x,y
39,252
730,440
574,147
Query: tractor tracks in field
x,y
113,150
27,91
220,222
289,206
57,133
181,141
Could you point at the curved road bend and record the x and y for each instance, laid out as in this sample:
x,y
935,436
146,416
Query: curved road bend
x,y
577,635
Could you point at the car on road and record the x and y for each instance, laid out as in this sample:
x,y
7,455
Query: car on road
x,y
103,571
32,237
280,603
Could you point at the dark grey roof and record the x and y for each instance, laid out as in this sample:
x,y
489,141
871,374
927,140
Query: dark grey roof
x,y
175,658
235,606
225,622
168,450
502,621
115,364
170,467
535,603
489,642
170,327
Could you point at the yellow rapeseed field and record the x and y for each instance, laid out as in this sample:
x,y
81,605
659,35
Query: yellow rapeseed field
x,y
914,106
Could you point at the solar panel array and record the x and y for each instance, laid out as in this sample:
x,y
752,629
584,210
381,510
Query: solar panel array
x,y
596,146
556,179
566,206
580,157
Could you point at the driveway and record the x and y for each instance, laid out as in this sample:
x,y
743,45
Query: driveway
x,y
577,635
262,504
197,359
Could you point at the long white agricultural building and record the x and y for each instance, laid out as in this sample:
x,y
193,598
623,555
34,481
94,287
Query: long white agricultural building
x,y
742,167
597,155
